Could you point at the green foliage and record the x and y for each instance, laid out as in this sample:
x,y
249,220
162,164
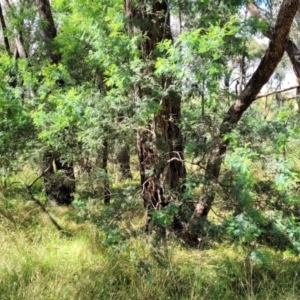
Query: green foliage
x,y
165,216
16,127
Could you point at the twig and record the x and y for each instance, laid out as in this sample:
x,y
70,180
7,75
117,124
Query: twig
x,y
219,216
184,161
43,208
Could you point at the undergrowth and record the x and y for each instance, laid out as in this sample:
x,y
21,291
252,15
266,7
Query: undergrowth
x,y
38,262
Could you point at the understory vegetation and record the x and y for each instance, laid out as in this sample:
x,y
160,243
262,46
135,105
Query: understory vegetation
x,y
38,262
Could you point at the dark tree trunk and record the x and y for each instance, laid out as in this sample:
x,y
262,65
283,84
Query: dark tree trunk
x,y
160,147
49,30
60,183
122,153
4,28
261,76
294,56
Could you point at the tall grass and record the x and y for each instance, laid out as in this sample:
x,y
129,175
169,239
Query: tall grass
x,y
38,262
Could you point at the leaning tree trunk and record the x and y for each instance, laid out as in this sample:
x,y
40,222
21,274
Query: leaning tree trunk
x,y
59,179
160,146
49,30
261,76
4,30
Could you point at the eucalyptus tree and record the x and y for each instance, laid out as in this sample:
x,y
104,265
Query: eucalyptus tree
x,y
264,71
159,143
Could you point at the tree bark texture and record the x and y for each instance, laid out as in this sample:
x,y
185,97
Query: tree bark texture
x,y
160,145
261,76
4,28
49,30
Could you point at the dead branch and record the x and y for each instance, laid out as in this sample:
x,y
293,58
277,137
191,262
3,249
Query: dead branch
x,y
36,179
38,202
277,92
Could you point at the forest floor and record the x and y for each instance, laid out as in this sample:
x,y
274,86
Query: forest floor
x,y
38,262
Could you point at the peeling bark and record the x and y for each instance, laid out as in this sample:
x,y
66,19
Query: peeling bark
x,y
160,147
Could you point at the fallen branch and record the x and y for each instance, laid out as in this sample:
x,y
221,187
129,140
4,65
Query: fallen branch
x,y
38,202
36,179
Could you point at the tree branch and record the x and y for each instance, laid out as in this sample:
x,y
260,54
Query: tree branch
x,y
40,176
38,202
277,92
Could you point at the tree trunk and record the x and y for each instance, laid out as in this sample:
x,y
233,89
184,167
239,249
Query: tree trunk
x,y
104,167
59,183
160,147
261,76
294,56
122,153
4,28
49,30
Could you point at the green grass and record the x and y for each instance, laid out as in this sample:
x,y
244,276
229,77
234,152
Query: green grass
x,y
38,262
